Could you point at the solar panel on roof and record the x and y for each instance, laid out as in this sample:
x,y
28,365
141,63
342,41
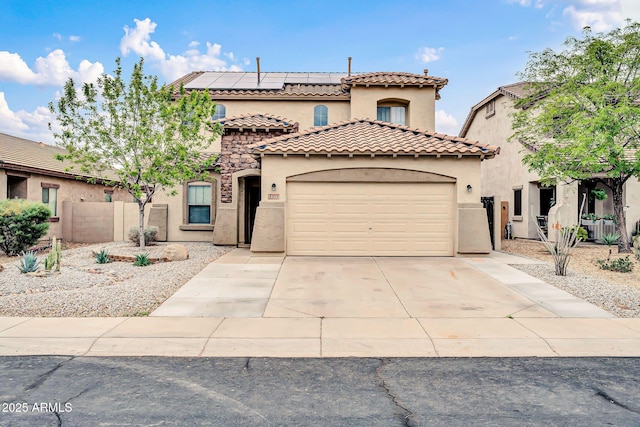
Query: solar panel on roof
x,y
220,80
200,82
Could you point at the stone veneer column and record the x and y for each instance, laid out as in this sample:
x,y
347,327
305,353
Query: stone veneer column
x,y
234,156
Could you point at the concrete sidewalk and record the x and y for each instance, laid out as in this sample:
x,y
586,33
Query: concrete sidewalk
x,y
243,305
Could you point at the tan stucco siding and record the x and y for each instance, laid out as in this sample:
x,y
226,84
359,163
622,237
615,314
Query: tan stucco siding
x,y
298,111
632,194
504,173
421,107
176,217
276,169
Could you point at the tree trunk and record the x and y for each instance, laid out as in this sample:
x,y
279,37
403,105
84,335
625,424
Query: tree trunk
x,y
141,224
621,225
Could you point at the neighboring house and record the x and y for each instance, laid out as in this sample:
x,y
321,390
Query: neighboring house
x,y
334,164
518,194
28,170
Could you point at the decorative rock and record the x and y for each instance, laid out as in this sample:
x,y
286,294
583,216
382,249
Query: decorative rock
x,y
175,252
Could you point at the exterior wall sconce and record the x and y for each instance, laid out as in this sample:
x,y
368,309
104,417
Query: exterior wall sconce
x,y
469,188
273,187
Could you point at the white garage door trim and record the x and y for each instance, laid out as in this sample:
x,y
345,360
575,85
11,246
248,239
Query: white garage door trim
x,y
363,219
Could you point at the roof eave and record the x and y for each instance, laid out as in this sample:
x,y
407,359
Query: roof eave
x,y
57,174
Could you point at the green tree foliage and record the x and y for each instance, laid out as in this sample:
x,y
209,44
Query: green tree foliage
x,y
580,118
22,224
138,136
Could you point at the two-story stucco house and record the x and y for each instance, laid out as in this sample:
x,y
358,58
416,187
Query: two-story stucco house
x,y
334,164
522,199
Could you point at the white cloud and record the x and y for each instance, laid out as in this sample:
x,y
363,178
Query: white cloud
x,y
428,54
600,15
52,70
526,3
138,40
446,123
34,125
72,38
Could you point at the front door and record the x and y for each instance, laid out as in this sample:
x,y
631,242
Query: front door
x,y
504,215
251,202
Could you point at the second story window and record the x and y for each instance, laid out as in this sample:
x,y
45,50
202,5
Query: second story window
x,y
490,109
220,113
393,114
320,115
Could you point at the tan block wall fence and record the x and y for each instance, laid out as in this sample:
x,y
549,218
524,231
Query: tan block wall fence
x,y
96,222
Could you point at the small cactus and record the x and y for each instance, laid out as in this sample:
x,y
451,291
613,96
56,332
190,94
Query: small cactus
x,y
53,258
29,262
142,260
102,257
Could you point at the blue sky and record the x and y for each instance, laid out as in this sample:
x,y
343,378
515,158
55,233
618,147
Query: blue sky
x,y
478,45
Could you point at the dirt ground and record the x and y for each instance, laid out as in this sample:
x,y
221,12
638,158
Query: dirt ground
x,y
583,259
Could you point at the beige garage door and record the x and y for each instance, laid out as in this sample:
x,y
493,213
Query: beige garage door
x,y
370,219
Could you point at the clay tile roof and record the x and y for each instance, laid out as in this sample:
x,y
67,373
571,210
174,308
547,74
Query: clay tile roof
x,y
394,79
514,90
258,121
372,137
19,153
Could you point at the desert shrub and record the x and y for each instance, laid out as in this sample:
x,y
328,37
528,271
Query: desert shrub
x,y
29,262
142,260
581,234
621,265
22,223
102,257
149,235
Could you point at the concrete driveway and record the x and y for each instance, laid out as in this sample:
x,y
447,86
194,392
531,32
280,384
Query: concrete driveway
x,y
353,287
255,306
242,285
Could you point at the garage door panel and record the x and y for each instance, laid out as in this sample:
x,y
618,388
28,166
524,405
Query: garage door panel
x,y
370,219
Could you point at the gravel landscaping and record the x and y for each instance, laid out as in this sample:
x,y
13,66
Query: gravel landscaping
x,y
618,293
86,289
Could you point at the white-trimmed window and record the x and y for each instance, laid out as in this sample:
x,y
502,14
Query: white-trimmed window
x,y
199,203
220,113
393,114
50,197
490,108
320,115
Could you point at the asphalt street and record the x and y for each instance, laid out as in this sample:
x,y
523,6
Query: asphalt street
x,y
112,391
